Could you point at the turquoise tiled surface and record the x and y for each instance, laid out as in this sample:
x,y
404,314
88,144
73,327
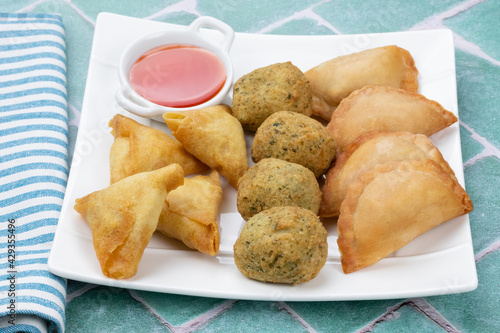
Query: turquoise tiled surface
x,y
407,317
486,201
254,317
479,25
476,311
477,89
362,16
178,309
475,25
340,316
305,26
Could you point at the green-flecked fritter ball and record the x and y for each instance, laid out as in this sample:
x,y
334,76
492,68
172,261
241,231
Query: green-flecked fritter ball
x,y
270,89
273,182
282,245
295,138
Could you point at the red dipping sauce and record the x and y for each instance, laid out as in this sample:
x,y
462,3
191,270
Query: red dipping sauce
x,y
178,75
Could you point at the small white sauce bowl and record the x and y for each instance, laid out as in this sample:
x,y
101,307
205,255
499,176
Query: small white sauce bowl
x,y
131,101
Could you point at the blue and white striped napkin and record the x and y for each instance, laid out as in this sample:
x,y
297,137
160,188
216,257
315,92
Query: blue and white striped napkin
x,y
33,169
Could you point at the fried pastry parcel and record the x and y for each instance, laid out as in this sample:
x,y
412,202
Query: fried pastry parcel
x,y
367,151
124,216
378,108
335,79
214,136
391,204
190,213
138,148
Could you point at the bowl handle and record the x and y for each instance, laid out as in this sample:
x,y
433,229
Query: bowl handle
x,y
210,22
126,101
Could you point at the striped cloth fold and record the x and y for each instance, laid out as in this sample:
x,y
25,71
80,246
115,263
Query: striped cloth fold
x,y
33,169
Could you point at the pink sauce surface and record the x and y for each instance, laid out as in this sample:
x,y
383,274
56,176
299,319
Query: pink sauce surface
x,y
178,75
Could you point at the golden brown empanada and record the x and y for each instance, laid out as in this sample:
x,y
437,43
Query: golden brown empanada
x,y
190,213
124,216
378,108
367,151
335,79
214,136
391,204
138,148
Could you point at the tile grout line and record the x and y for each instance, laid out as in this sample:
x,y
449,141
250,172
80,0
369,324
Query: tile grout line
x,y
184,5
423,306
488,151
305,13
285,307
30,7
76,120
204,318
438,19
189,326
493,247
436,22
140,300
279,23
321,21
390,314
471,48
81,291
79,12
419,304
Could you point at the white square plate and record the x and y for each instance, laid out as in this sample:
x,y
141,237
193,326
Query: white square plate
x,y
439,262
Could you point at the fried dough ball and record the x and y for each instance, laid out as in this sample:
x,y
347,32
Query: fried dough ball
x,y
273,182
282,245
295,138
269,89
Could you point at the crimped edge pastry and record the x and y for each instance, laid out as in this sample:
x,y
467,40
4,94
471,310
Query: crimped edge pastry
x,y
391,204
368,150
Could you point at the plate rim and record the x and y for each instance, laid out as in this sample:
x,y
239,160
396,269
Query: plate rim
x,y
58,268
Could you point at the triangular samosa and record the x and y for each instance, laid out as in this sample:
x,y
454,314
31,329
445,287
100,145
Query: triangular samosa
x,y
214,136
190,213
138,148
124,216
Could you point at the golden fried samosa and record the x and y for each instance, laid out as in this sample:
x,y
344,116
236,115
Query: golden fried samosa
x,y
214,136
190,213
336,78
391,204
138,148
378,108
124,216
367,151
